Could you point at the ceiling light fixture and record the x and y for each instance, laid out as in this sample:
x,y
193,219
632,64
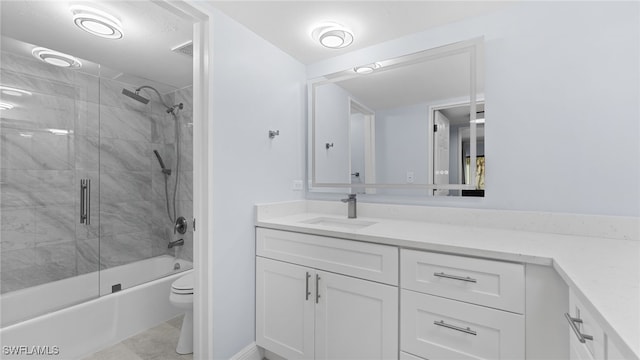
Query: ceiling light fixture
x,y
56,58
13,91
5,106
96,22
367,69
332,35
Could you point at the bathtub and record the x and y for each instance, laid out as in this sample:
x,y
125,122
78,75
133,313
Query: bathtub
x,y
78,330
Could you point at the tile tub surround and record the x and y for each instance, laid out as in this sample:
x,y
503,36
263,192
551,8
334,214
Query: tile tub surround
x,y
113,139
604,271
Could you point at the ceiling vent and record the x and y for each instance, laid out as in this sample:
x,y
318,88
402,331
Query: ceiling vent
x,y
184,49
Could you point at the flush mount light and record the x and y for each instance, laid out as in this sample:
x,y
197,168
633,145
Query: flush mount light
x,y
96,22
5,106
56,58
367,69
13,91
332,35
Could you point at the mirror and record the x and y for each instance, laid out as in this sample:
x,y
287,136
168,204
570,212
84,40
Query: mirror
x,y
403,125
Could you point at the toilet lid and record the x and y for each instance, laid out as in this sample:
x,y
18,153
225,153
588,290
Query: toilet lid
x,y
183,284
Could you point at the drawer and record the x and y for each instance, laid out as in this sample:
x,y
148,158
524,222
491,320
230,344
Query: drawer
x,y
589,327
358,259
437,328
489,283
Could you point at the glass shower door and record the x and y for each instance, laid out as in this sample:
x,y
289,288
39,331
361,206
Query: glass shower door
x,y
48,130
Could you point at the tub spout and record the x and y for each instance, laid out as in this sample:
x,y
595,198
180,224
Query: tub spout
x,y
179,242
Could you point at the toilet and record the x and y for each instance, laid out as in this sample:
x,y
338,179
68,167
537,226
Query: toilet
x,y
182,297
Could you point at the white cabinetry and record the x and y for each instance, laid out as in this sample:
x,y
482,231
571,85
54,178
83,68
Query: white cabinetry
x,y
306,311
586,338
453,307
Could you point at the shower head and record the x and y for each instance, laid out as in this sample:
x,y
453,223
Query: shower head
x,y
164,169
135,96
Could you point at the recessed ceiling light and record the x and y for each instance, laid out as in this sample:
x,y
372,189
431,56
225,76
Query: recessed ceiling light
x,y
5,106
367,69
96,22
332,35
56,58
13,91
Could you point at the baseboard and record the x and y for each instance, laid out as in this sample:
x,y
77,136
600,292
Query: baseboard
x,y
251,352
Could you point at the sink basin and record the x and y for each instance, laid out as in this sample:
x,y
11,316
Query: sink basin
x,y
351,224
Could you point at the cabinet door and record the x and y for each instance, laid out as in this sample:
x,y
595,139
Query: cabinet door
x,y
284,308
355,319
578,351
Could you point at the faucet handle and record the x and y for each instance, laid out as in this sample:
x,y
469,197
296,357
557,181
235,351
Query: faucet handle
x,y
351,197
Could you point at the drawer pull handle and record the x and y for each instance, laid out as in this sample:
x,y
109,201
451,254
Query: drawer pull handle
x,y
467,279
307,292
572,323
453,327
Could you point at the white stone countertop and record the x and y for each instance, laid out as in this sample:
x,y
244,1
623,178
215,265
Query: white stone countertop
x,y
603,272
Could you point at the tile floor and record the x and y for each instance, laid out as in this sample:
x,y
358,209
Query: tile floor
x,y
157,343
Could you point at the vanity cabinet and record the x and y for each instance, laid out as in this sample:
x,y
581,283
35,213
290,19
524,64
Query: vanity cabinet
x,y
455,307
323,298
586,338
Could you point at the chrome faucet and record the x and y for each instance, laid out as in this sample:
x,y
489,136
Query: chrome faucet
x,y
178,242
351,201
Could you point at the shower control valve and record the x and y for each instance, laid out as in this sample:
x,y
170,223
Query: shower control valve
x,y
181,225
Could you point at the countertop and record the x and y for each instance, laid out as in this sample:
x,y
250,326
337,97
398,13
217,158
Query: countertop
x,y
603,272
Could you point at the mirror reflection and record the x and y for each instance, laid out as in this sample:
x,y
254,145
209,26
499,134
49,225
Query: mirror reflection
x,y
409,125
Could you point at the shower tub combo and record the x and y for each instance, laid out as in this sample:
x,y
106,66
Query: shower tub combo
x,y
92,324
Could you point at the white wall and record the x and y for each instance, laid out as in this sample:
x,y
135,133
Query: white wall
x,y
332,126
256,88
562,77
401,144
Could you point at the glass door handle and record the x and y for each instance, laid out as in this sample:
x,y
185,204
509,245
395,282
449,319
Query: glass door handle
x,y
85,201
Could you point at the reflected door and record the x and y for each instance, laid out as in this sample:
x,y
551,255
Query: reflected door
x,y
441,152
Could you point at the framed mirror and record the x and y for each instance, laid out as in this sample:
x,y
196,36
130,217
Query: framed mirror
x,y
408,124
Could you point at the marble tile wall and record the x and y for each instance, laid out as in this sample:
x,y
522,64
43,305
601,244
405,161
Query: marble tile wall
x,y
39,170
112,143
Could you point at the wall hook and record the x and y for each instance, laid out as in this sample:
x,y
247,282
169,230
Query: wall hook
x,y
273,133
327,145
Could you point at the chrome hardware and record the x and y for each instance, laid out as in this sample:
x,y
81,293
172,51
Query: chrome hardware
x,y
85,201
572,323
351,201
317,288
457,328
328,145
181,225
307,292
178,242
454,277
356,174
194,224
273,133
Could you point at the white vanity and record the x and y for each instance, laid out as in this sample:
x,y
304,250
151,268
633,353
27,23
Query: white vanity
x,y
387,286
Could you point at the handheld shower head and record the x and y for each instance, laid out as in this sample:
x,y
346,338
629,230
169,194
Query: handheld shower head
x,y
135,96
164,169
